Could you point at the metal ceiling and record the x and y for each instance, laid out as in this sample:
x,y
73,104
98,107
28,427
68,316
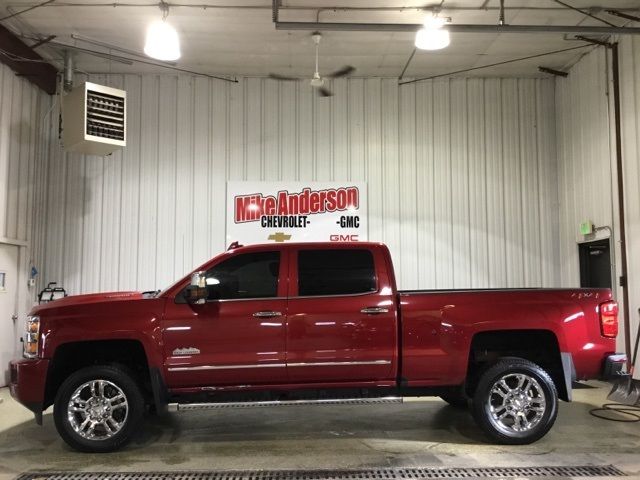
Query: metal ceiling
x,y
221,38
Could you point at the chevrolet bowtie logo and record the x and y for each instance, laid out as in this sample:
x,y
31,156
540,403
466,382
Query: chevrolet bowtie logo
x,y
279,237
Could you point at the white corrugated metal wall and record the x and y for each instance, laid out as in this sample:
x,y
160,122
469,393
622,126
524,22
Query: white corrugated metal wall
x,y
630,118
461,176
586,162
23,119
23,114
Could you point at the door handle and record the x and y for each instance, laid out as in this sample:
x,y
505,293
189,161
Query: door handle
x,y
374,310
267,314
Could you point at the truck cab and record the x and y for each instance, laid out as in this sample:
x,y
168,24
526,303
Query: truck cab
x,y
303,314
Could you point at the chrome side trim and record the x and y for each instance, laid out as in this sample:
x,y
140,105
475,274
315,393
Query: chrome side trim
x,y
339,364
223,300
225,367
297,297
278,365
283,403
340,295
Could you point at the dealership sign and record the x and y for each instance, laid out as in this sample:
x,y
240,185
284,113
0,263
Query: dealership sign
x,y
263,212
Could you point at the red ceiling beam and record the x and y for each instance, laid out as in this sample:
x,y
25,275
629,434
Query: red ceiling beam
x,y
18,55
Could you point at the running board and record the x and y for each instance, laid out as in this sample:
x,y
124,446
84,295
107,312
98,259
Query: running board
x,y
178,407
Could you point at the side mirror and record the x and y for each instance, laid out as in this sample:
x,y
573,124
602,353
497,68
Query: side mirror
x,y
196,293
198,280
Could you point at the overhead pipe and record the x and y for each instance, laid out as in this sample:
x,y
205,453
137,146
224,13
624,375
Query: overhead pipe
x,y
117,48
595,41
626,16
456,28
505,62
130,61
501,19
553,71
584,12
67,82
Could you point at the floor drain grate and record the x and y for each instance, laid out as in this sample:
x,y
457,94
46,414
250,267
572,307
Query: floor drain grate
x,y
371,474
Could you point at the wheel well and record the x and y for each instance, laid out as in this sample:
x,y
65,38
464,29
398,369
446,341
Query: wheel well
x,y
71,357
538,346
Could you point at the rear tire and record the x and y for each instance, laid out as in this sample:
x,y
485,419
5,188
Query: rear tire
x,y
515,402
98,409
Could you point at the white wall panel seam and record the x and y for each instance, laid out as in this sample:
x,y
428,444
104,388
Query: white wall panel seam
x,y
139,133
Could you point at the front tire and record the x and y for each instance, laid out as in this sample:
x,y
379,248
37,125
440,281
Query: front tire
x,y
98,409
515,402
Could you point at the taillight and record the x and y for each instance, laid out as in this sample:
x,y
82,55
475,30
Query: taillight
x,y
609,319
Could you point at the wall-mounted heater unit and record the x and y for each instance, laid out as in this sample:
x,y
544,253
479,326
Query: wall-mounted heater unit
x,y
94,119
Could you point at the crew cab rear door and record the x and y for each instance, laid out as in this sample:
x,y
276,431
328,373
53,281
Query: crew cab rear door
x,y
341,322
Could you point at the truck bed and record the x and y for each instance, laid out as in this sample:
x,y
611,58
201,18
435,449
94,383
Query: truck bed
x,y
438,327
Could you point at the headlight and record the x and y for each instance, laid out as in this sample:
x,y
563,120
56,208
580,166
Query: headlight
x,y
31,337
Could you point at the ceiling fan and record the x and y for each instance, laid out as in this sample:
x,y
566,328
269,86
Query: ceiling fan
x,y
317,81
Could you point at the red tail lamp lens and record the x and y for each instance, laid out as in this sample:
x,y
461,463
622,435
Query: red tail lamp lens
x,y
609,319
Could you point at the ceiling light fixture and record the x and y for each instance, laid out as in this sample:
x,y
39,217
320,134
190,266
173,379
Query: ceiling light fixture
x,y
432,36
162,42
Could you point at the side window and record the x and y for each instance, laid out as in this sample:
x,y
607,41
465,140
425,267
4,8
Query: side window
x,y
249,275
335,272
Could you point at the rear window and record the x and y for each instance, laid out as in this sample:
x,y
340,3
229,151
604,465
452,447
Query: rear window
x,y
335,272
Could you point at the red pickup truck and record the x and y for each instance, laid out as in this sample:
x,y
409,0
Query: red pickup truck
x,y
284,324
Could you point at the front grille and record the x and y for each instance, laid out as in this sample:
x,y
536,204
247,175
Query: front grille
x,y
369,474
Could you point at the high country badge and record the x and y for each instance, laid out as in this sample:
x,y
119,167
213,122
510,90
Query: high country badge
x,y
185,351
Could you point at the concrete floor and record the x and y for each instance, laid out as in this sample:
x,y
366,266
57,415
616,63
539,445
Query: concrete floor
x,y
428,433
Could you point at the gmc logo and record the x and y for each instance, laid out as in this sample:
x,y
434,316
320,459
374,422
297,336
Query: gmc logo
x,y
343,238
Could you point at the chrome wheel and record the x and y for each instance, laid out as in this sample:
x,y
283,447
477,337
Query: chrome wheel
x,y
97,410
516,404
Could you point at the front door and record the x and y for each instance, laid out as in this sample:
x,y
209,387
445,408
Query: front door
x,y
238,336
342,324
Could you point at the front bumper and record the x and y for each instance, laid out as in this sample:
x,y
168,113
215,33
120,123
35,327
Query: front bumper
x,y
613,367
28,383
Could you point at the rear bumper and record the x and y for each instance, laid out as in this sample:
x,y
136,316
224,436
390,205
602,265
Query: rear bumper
x,y
28,382
613,367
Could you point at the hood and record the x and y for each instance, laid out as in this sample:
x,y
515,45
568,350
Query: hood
x,y
74,300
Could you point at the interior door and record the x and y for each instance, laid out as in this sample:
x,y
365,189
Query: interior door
x,y
341,325
595,264
8,308
238,336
